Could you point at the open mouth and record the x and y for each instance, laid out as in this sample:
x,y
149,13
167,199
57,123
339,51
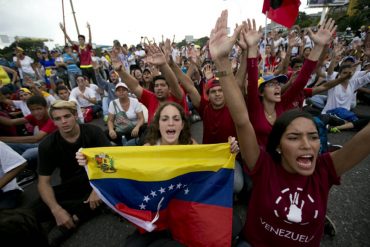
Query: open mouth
x,y
305,161
171,132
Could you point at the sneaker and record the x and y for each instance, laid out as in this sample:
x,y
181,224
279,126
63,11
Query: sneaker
x,y
329,227
334,130
25,178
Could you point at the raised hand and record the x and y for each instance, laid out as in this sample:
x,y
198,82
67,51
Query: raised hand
x,y
324,35
167,50
88,25
116,61
220,44
251,35
241,41
155,56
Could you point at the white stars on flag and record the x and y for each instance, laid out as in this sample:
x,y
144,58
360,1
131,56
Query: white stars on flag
x,y
146,199
153,194
164,191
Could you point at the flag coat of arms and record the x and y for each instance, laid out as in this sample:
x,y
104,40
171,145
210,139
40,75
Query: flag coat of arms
x,y
187,189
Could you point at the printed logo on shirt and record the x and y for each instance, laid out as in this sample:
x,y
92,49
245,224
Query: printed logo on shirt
x,y
294,207
290,205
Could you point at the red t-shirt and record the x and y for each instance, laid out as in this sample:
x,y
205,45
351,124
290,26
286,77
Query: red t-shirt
x,y
288,209
290,99
217,124
151,102
47,126
84,54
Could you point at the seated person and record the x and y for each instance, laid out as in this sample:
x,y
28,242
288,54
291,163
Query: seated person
x,y
11,164
125,117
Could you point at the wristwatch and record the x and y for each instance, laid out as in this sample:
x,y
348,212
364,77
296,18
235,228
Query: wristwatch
x,y
222,73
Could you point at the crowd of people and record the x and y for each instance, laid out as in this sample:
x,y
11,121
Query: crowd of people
x,y
277,96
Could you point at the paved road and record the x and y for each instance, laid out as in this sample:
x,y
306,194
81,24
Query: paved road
x,y
349,207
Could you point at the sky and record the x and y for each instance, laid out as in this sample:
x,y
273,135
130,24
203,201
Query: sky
x,y
124,20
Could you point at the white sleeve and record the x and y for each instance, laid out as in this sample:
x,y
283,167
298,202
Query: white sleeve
x,y
111,108
9,159
361,81
138,107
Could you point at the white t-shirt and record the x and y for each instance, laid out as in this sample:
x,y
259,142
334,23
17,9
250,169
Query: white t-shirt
x,y
26,64
339,96
89,93
135,107
20,104
96,89
9,159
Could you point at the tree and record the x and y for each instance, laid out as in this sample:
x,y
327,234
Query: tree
x,y
29,45
305,20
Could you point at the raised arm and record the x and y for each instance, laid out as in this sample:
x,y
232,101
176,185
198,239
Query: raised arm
x,y
65,33
157,57
352,152
132,83
241,74
11,71
89,29
187,83
220,47
330,84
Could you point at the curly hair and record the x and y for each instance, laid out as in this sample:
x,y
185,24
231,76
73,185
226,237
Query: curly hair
x,y
154,134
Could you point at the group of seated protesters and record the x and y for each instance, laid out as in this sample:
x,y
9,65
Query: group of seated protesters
x,y
148,95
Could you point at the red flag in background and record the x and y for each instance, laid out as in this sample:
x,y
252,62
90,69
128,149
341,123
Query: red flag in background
x,y
284,12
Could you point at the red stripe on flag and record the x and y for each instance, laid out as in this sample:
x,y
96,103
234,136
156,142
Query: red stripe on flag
x,y
196,224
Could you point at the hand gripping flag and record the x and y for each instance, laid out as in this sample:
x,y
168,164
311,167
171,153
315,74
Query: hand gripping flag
x,y
187,189
284,12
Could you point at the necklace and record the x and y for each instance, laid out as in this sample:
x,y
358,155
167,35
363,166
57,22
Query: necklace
x,y
268,114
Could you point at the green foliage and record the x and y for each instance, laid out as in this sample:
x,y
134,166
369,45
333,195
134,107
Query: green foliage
x,y
29,45
356,21
305,20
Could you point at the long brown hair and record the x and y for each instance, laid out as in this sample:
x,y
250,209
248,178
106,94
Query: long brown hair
x,y
154,134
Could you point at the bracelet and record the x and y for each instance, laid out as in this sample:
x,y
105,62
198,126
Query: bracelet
x,y
222,73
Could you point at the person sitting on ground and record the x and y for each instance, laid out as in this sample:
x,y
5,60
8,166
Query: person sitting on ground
x,y
290,169
63,94
27,146
169,127
11,165
85,96
73,201
125,117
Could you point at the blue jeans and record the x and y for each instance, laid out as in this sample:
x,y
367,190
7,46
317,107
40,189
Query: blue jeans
x,y
29,151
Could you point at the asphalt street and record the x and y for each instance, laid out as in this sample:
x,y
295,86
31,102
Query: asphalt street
x,y
349,206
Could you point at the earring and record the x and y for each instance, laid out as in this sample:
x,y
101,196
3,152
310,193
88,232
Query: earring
x,y
278,150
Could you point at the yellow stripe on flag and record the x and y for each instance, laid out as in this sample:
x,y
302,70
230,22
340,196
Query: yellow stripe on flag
x,y
156,163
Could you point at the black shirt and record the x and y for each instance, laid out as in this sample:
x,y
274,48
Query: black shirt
x,y
56,152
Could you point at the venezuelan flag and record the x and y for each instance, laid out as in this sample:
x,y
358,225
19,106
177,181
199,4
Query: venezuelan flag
x,y
187,189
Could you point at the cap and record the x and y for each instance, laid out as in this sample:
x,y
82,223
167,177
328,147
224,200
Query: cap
x,y
349,58
19,49
211,84
121,84
24,90
267,78
63,104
